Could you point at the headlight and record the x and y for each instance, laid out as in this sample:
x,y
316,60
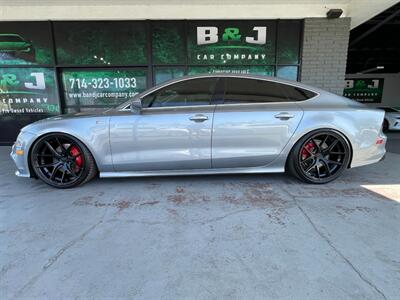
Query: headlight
x,y
18,144
19,147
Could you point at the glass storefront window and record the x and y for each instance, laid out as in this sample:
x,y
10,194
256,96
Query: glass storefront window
x,y
168,43
101,43
26,43
166,73
287,72
288,42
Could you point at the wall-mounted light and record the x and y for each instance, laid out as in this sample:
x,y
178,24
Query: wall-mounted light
x,y
371,70
334,13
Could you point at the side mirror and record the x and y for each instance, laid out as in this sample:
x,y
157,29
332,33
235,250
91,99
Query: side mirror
x,y
136,106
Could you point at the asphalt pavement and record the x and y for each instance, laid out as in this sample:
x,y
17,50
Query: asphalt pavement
x,y
202,237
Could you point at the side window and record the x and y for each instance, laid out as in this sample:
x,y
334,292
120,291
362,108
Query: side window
x,y
184,93
242,90
297,94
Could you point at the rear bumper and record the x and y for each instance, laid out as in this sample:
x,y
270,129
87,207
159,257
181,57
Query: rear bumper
x,y
370,152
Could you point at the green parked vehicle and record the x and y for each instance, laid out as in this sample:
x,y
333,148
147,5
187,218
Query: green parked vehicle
x,y
14,46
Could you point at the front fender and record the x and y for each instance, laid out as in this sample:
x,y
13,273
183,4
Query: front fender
x,y
93,132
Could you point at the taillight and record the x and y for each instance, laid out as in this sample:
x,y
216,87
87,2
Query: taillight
x,y
379,141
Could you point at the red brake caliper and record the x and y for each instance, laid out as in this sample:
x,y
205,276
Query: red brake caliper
x,y
304,153
74,151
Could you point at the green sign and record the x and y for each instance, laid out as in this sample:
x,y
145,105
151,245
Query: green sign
x,y
25,43
28,91
105,87
231,43
368,90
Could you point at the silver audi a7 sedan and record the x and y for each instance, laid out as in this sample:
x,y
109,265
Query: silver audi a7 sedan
x,y
207,124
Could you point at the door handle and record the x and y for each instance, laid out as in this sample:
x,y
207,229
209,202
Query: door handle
x,y
284,115
198,118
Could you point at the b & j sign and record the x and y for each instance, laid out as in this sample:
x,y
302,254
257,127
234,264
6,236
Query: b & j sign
x,y
221,43
28,90
368,90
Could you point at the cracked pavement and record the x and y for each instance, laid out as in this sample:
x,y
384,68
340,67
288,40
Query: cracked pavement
x,y
202,237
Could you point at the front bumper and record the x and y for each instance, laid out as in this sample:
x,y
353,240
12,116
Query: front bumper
x,y
23,142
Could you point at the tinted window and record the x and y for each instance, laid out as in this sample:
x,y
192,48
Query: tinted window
x,y
297,94
10,38
185,93
240,90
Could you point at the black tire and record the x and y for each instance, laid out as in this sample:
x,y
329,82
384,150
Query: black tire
x,y
321,150
62,161
385,126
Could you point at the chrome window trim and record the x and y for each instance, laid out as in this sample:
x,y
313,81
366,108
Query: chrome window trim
x,y
254,77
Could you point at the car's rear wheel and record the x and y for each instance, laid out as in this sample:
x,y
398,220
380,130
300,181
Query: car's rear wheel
x,y
319,157
62,161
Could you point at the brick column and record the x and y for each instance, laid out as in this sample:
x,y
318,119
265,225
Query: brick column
x,y
324,56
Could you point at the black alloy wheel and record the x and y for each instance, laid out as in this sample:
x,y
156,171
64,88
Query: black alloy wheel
x,y
320,157
62,161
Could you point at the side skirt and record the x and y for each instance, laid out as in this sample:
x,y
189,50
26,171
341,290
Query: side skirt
x,y
192,172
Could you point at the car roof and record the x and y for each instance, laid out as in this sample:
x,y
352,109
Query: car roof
x,y
224,75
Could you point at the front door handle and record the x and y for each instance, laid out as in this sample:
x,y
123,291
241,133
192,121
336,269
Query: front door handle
x,y
198,118
284,115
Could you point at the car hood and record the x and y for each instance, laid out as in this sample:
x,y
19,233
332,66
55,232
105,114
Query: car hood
x,y
77,115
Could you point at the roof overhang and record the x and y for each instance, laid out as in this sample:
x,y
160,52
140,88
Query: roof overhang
x,y
358,10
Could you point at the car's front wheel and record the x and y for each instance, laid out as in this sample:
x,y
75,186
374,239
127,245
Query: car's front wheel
x,y
319,157
62,161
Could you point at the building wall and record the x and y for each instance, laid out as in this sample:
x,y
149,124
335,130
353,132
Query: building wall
x,y
391,90
324,55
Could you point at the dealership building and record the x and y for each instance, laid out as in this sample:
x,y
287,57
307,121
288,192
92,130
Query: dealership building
x,y
76,56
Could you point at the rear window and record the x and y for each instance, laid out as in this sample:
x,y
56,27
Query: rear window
x,y
243,90
295,93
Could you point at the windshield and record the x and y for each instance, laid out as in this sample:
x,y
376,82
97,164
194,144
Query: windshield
x,y
125,104
10,38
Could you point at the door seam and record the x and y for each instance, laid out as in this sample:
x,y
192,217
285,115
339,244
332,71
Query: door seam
x,y
212,134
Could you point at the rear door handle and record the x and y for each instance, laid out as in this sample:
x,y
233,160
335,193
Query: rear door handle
x,y
198,118
284,115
